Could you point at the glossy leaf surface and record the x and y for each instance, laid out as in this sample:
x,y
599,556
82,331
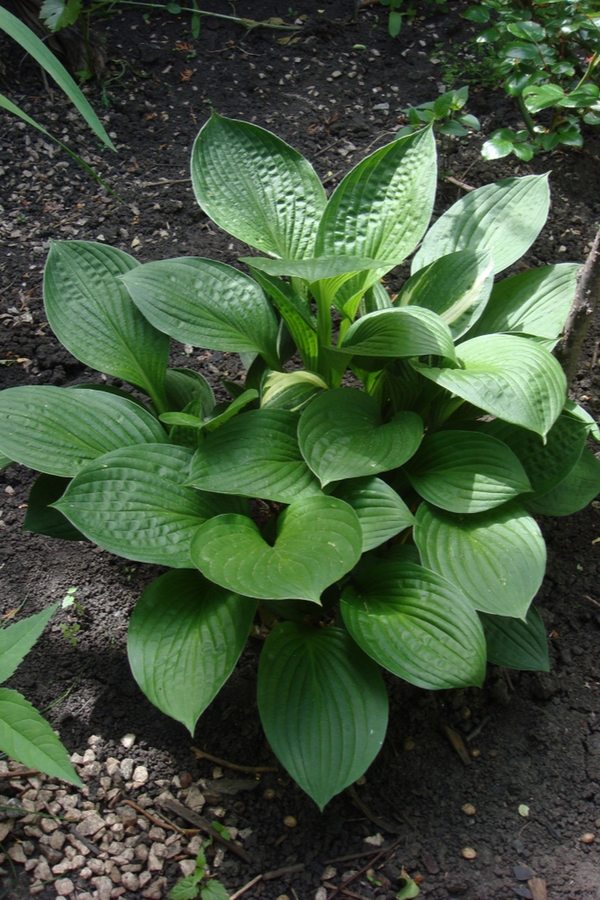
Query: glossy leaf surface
x,y
515,644
16,640
579,488
399,332
382,513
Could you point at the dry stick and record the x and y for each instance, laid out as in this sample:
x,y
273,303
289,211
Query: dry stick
x,y
19,773
200,754
362,871
460,184
585,303
381,823
147,184
205,826
163,822
351,856
246,887
286,870
591,599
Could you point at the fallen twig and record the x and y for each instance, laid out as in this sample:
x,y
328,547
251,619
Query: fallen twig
x,y
205,826
351,856
458,744
461,184
381,823
163,822
246,887
19,773
285,870
362,871
200,754
477,729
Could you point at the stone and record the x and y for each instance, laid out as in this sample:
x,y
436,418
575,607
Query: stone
x,y
130,881
126,768
156,890
187,866
64,886
90,825
104,887
17,854
57,840
140,775
42,871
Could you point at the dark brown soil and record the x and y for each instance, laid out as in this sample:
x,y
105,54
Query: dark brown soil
x,y
539,735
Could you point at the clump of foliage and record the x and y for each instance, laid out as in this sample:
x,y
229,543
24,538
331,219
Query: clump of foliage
x,y
198,883
372,485
446,114
24,734
547,55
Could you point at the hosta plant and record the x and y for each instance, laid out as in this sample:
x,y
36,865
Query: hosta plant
x,y
374,485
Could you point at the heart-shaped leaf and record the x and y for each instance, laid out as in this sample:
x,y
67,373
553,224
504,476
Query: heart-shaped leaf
x,y
417,625
399,332
184,639
515,644
257,187
318,540
505,218
323,706
91,313
496,558
16,640
255,455
135,502
466,472
54,430
205,303
509,377
579,488
341,435
381,512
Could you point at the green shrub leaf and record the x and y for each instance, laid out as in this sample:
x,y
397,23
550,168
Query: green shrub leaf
x,y
505,218
517,644
381,511
41,517
57,431
184,639
399,332
341,435
16,640
318,540
497,558
573,493
323,706
417,625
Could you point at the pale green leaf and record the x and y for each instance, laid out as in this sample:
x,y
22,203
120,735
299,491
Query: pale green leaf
x,y
381,511
290,390
16,640
399,332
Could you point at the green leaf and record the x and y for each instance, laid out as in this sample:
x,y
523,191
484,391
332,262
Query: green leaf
x,y
57,431
381,512
341,435
537,97
409,888
57,14
509,377
399,332
515,644
205,303
257,187
466,472
497,558
505,218
394,23
28,738
184,385
314,268
135,502
41,517
214,890
296,313
573,493
578,412
184,639
583,96
323,706
527,30
456,287
185,888
417,625
210,423
5,462
318,540
255,455
91,313
534,302
497,148
16,640
479,14
290,390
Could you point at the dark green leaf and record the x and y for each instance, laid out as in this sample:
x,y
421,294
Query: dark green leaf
x,y
16,640
515,644
573,493
381,512
41,517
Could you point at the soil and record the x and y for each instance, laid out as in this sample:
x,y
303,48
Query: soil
x,y
534,739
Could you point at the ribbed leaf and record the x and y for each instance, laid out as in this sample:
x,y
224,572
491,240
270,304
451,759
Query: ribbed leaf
x,y
534,302
28,738
257,187
515,644
578,412
417,625
290,390
505,218
579,488
5,462
296,313
91,313
41,517
134,502
381,512
314,268
323,706
402,332
497,558
205,303
57,431
456,287
341,435
466,472
184,639
255,455
509,377
318,540
182,386
16,640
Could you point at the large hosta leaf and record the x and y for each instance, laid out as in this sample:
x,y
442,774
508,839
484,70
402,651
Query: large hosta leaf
x,y
505,218
381,512
323,706
54,430
296,313
257,187
466,472
456,287
41,517
255,455
205,303
184,639
417,625
135,502
516,644
16,640
341,435
25,736
290,390
318,540
509,377
91,313
497,558
579,488
534,302
402,332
